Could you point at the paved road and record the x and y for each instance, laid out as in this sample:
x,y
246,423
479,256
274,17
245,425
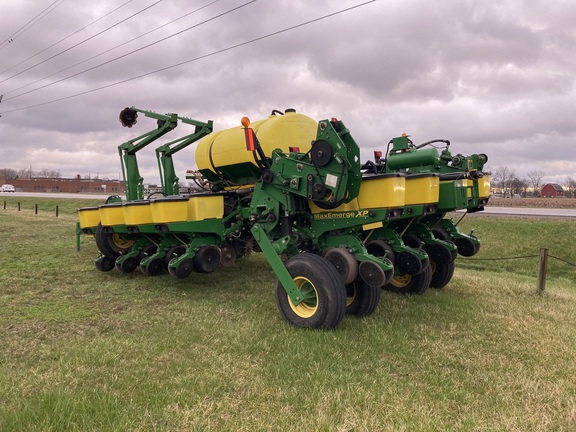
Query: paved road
x,y
526,211
56,195
521,211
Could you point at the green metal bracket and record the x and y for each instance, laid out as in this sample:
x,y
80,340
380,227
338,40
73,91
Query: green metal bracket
x,y
277,265
78,232
168,178
133,182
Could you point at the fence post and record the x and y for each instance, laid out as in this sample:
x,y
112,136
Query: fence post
x,y
35,208
18,206
56,211
542,268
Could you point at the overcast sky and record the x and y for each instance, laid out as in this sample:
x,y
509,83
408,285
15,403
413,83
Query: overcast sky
x,y
494,77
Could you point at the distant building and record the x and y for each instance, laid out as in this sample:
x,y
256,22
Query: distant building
x,y
69,185
552,190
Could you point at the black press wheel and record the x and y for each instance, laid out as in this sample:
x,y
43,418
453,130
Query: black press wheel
x,y
441,234
361,298
207,259
410,283
322,288
183,269
153,267
127,265
104,264
379,248
174,252
111,245
441,273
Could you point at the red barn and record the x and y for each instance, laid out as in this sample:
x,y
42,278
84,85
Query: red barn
x,y
552,190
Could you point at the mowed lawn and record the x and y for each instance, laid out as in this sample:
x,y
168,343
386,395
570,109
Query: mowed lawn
x,y
83,350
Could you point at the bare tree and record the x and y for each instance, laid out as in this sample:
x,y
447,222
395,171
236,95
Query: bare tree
x,y
503,178
8,174
26,173
570,187
46,173
535,178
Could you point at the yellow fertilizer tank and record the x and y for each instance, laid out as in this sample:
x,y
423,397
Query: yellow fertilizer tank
x,y
223,154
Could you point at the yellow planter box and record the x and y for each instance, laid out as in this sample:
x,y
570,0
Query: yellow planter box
x,y
88,217
422,188
169,209
382,191
111,214
138,213
484,186
205,207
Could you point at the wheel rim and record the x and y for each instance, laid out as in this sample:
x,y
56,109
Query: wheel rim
x,y
350,293
401,281
432,266
121,242
309,304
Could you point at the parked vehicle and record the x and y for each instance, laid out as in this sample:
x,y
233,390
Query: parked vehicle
x,y
7,188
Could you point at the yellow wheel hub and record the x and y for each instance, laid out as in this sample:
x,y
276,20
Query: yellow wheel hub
x,y
309,305
121,242
401,281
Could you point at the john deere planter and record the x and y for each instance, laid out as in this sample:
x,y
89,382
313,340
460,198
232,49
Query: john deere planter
x,y
335,231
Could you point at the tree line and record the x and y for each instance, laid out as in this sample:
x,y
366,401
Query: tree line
x,y
510,184
26,173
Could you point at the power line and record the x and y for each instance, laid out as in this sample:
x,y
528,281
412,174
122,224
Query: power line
x,y
30,23
196,58
82,42
106,51
67,37
134,51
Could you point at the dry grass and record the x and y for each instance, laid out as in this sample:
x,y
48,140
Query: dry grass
x,y
565,203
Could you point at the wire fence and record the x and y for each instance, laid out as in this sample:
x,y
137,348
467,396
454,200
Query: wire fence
x,y
517,257
542,265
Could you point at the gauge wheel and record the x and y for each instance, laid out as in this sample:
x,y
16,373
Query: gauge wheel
x,y
410,283
174,252
441,273
361,298
322,289
344,262
207,259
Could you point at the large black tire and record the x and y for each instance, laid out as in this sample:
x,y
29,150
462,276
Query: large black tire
x,y
441,273
111,245
324,293
361,298
410,284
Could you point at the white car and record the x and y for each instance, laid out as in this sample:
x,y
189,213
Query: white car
x,y
7,188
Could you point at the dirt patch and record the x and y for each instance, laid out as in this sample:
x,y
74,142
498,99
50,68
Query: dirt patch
x,y
562,203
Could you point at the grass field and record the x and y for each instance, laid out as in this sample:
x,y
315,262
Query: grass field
x,y
89,351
